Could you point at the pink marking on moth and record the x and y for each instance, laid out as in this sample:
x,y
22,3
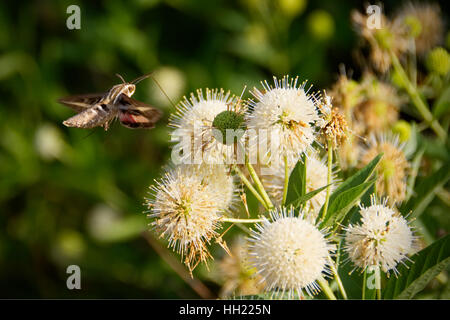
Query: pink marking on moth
x,y
125,117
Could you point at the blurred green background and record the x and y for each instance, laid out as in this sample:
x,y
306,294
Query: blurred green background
x,y
71,196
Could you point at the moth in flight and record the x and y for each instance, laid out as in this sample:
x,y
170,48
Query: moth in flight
x,y
100,109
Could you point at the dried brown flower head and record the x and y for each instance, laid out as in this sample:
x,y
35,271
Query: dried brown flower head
x,y
382,41
423,22
380,107
392,169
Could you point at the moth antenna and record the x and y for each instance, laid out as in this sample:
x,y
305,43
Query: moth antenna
x,y
139,79
120,77
162,90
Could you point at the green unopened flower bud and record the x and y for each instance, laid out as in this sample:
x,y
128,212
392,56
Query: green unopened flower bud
x,y
380,107
384,38
403,129
231,121
397,79
414,26
321,24
387,168
291,8
69,244
438,61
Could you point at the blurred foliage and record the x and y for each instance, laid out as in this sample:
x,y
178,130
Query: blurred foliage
x,y
70,196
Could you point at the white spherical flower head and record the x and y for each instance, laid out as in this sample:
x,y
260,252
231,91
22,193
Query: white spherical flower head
x,y
194,131
289,253
283,118
383,238
186,208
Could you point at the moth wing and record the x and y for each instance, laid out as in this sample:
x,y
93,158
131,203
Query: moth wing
x,y
81,102
136,114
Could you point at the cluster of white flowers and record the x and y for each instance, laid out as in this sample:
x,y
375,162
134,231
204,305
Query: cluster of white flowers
x,y
288,251
281,123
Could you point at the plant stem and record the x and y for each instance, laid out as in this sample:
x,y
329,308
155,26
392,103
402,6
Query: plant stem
x,y
286,180
364,285
258,184
326,288
417,100
236,220
250,187
337,278
330,164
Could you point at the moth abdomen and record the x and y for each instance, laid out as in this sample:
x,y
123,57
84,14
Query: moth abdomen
x,y
98,115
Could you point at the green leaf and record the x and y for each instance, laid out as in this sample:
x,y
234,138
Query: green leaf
x,y
359,177
425,191
343,202
348,193
301,200
354,216
415,275
297,181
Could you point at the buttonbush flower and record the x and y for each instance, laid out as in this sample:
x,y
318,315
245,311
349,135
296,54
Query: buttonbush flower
x,y
186,207
289,253
288,115
383,238
195,124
